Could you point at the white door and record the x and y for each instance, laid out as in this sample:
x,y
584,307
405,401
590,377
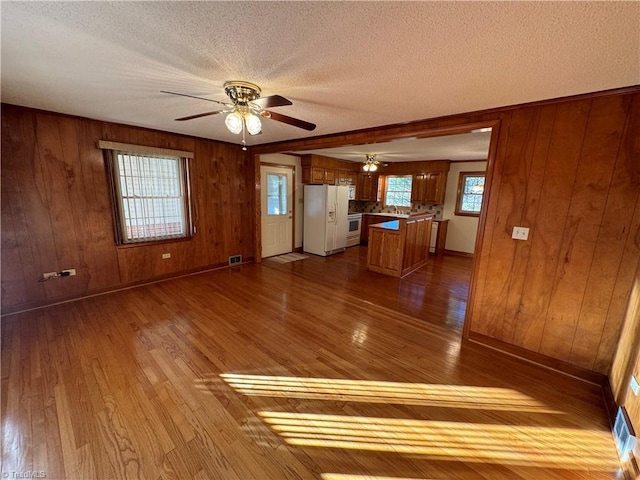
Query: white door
x,y
277,210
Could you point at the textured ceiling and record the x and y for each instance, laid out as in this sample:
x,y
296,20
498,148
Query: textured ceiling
x,y
345,65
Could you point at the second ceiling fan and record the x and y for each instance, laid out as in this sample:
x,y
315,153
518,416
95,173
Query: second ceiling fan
x,y
246,109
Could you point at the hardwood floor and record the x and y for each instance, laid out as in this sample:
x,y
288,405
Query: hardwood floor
x,y
255,373
436,293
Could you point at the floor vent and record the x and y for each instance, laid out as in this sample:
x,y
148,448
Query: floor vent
x,y
623,433
235,260
630,468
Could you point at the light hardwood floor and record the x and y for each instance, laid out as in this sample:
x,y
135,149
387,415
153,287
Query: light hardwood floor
x,y
260,373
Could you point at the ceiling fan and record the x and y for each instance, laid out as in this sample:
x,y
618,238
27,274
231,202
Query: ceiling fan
x,y
246,108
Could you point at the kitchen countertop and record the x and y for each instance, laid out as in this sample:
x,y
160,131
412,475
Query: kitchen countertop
x,y
395,215
404,215
390,225
395,224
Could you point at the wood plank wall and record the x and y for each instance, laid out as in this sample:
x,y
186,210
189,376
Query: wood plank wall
x,y
568,169
56,210
627,363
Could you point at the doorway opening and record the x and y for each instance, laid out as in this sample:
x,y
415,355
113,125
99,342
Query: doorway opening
x,y
407,288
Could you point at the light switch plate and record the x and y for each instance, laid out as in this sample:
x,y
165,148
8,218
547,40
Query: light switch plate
x,y
520,233
166,255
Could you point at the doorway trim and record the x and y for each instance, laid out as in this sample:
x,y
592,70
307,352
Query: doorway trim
x,y
386,134
258,204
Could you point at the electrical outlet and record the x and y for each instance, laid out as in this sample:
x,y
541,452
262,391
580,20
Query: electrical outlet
x,y
520,233
166,255
72,272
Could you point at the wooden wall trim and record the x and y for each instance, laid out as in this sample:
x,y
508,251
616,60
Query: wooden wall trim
x,y
142,149
150,131
456,253
424,128
257,209
539,359
15,309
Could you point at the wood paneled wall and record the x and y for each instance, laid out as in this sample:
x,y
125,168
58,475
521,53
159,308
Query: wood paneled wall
x,y
627,359
56,211
568,169
571,173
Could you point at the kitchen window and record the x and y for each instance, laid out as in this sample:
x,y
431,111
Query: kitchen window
x,y
150,194
470,192
398,190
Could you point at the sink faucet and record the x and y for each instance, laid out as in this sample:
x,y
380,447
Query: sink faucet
x,y
396,209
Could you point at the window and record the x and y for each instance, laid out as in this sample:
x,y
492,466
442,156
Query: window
x,y
150,195
470,191
276,194
398,190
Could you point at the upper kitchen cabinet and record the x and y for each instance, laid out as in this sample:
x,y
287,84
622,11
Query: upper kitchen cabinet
x,y
429,179
347,178
318,169
429,187
312,174
367,187
329,176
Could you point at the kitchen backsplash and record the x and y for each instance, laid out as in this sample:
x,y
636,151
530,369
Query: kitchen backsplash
x,y
357,206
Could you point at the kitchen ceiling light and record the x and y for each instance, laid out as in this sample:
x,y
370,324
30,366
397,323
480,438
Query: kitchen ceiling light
x,y
371,165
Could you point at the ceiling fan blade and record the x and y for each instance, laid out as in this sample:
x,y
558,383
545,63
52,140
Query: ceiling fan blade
x,y
272,101
199,98
191,117
278,117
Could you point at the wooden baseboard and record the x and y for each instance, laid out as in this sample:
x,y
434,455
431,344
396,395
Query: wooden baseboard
x,y
609,402
455,253
540,359
24,307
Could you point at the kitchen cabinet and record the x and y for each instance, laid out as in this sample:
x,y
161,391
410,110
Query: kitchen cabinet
x,y
399,247
329,176
318,175
367,187
429,187
347,178
371,219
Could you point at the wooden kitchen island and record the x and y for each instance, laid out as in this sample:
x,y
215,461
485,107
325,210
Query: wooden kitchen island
x,y
400,246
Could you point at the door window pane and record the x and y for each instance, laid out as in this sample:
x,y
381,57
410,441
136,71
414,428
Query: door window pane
x,y
276,194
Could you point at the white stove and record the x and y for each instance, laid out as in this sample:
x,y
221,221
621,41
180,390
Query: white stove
x,y
353,231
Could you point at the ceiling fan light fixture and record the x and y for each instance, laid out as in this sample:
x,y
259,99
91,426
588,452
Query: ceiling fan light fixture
x,y
371,165
234,122
253,124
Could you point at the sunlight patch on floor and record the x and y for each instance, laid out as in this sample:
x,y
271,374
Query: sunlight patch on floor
x,y
348,476
419,394
533,446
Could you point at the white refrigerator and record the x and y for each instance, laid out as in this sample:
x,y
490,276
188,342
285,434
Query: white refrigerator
x,y
325,219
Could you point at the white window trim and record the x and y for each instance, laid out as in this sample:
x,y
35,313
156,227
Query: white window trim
x,y
386,190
